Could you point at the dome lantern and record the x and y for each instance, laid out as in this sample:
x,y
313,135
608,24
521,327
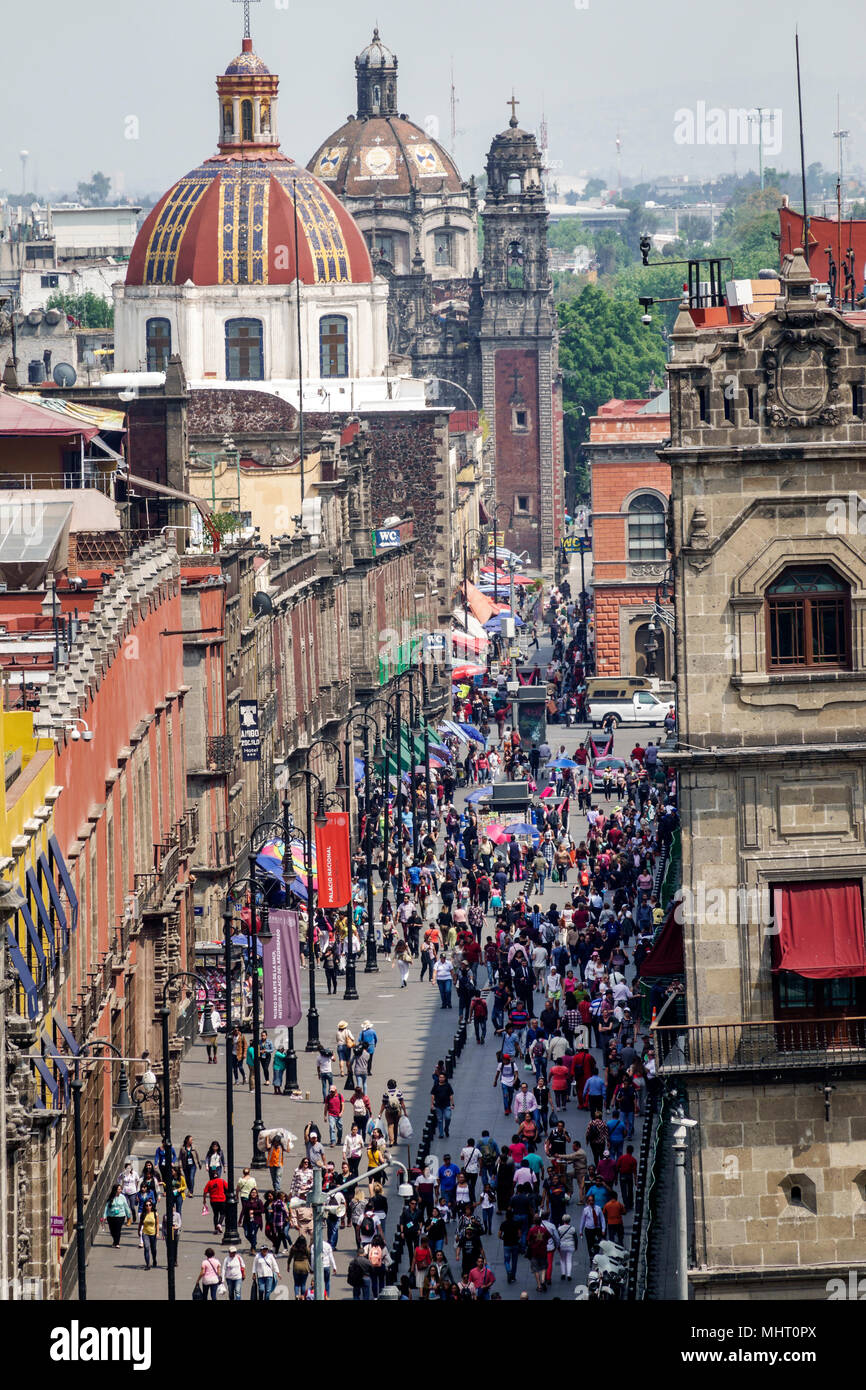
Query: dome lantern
x,y
376,74
247,93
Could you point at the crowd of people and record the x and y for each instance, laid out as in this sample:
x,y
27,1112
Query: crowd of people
x,y
555,990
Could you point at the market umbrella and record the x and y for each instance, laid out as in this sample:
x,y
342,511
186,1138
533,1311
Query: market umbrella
x,y
563,762
522,828
245,941
496,834
466,671
480,794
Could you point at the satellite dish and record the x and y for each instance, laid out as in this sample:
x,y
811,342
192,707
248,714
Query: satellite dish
x,y
262,604
64,374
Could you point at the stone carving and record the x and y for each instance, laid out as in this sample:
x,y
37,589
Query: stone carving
x,y
699,534
802,374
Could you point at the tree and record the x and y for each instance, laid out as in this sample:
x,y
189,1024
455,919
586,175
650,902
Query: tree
x,y
96,192
568,233
594,188
604,351
89,310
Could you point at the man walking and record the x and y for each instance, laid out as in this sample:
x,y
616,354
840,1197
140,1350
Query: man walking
x,y
441,1101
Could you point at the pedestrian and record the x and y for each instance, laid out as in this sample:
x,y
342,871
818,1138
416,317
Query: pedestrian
x,y
280,1063
254,1218
592,1224
210,1276
509,1234
353,1150
359,1277
275,1162
208,1028
393,1108
117,1213
478,1016
333,1108
148,1233
266,1272
238,1048
614,1215
403,959
233,1273
506,1077
369,1039
441,1102
345,1043
325,1069
567,1236
470,1163
189,1162
216,1192
214,1162
626,1167
443,973
359,1065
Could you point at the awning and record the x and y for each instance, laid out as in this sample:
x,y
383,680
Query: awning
x,y
18,418
48,1077
54,895
820,929
23,971
476,645
42,912
666,956
479,606
66,1034
59,863
77,413
35,938
472,626
27,552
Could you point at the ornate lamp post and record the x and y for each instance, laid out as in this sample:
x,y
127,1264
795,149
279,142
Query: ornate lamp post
x,y
258,931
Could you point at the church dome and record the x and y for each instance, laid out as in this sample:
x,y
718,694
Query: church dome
x,y
231,221
384,154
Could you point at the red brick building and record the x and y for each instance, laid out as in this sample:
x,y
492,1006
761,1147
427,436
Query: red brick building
x,y
630,489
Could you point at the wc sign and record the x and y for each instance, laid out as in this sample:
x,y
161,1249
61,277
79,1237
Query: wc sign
x,y
392,537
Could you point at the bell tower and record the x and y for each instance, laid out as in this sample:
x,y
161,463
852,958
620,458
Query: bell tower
x,y
376,76
247,94
519,347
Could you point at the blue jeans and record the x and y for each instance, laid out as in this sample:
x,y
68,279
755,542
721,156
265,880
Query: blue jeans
x,y
443,1118
266,1286
507,1093
364,1290
491,972
234,1288
335,1129
327,1082
487,1219
333,1223
445,993
511,1253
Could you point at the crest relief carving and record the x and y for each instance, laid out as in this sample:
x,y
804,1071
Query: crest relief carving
x,y
802,374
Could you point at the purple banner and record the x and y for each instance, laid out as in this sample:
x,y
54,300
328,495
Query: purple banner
x,y
282,971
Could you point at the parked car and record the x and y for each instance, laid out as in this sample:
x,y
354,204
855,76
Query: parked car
x,y
640,708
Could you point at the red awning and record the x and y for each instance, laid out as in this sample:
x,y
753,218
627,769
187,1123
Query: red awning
x,y
479,605
666,956
820,929
18,418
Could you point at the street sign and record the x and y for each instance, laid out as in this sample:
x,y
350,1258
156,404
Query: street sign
x,y
56,1225
514,649
434,642
251,737
576,544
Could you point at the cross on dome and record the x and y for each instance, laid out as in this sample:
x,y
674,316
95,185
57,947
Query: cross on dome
x,y
246,4
513,103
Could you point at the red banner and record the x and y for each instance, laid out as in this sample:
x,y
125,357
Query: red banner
x,y
334,861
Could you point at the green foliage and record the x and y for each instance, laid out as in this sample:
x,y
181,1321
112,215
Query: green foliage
x,y
96,192
89,309
225,523
594,188
568,233
604,351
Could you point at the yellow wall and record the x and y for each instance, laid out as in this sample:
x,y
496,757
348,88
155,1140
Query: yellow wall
x,y
271,495
27,794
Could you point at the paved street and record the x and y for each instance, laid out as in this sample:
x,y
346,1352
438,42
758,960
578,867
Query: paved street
x,y
414,1033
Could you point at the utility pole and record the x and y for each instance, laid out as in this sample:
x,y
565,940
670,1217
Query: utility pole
x,y
761,114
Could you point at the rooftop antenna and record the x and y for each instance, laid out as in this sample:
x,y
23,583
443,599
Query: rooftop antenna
x,y
618,166
802,150
840,135
761,114
453,112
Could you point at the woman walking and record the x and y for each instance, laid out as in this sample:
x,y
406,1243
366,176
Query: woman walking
x,y
253,1218
299,1262
210,1275
214,1161
148,1233
117,1213
189,1163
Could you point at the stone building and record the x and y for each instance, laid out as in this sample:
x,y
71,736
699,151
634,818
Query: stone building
x,y
630,489
768,461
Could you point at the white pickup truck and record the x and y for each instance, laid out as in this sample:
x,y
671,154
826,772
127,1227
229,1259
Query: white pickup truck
x,y
641,708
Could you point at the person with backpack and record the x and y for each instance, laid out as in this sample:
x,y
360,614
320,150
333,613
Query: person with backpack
x,y
489,1158
393,1108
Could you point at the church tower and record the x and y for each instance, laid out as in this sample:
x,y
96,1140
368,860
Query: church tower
x,y
518,347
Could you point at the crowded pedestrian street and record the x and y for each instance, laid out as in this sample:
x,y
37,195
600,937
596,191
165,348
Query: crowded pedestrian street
x,y
537,1122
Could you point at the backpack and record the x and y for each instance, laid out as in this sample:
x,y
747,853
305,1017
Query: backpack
x,y
392,1107
354,1275
488,1153
367,1228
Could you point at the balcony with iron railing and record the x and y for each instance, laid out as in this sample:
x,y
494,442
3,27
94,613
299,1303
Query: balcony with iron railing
x,y
770,1049
220,753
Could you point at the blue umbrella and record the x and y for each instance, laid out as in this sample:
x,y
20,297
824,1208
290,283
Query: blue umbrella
x,y
471,732
521,828
359,769
480,794
563,762
244,941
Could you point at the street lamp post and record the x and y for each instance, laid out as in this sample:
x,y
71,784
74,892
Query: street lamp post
x,y
230,1224
319,1200
313,1043
284,830
682,1125
124,1105
258,1159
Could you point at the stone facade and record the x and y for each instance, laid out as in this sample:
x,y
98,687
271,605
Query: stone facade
x,y
766,437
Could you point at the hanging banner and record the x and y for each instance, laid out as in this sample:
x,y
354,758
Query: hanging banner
x,y
281,971
333,860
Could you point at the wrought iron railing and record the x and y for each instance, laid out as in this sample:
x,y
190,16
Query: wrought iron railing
x,y
771,1045
220,753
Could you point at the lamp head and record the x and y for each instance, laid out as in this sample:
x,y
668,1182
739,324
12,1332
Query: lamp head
x,y
148,1082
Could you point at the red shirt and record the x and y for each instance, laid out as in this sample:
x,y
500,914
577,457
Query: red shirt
x,y
626,1163
559,1077
614,1211
217,1190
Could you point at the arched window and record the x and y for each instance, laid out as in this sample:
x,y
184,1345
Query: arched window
x,y
646,528
808,619
244,355
515,264
514,184
442,248
334,345
158,343
246,120
377,96
228,118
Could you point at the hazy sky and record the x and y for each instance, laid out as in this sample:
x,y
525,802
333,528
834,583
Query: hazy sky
x,y
596,67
